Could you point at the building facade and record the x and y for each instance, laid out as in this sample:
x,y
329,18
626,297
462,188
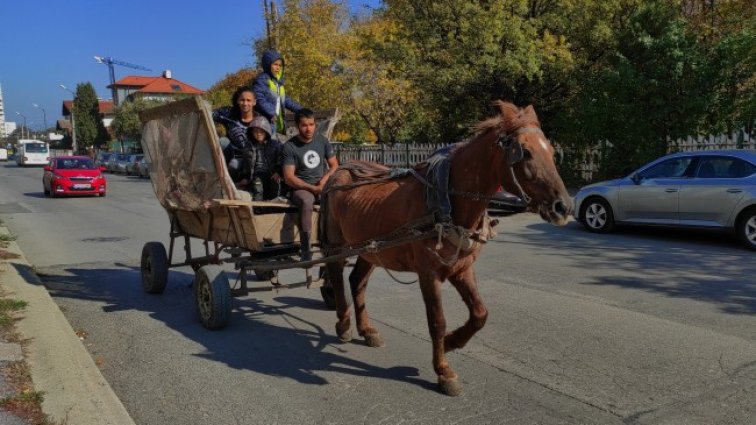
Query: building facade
x,y
3,130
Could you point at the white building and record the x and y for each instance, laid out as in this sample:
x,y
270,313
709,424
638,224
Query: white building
x,y
9,127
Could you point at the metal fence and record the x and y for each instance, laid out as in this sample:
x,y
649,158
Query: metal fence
x,y
406,155
590,158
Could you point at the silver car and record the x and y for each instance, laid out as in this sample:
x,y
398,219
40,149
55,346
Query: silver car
x,y
704,189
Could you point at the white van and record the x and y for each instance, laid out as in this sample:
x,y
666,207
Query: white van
x,y
3,154
32,152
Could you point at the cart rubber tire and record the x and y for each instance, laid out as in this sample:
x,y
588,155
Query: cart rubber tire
x,y
154,268
264,275
327,292
213,296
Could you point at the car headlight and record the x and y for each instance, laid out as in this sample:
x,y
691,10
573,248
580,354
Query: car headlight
x,y
58,176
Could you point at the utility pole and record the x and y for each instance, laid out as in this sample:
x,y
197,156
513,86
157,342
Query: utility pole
x,y
44,114
22,128
73,122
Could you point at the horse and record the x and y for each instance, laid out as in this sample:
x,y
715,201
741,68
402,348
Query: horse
x,y
509,149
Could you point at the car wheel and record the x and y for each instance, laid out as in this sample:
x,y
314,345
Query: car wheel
x,y
746,228
47,192
596,215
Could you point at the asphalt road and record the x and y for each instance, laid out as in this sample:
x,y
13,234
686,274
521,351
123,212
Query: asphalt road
x,y
641,326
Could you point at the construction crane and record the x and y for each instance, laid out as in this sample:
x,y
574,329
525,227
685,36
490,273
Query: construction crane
x,y
110,62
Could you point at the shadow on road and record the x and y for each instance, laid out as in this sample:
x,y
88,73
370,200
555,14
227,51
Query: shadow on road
x,y
712,266
295,351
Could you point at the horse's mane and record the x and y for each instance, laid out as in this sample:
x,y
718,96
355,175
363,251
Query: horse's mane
x,y
510,119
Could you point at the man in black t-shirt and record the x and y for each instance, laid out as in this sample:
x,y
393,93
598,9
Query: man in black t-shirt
x,y
308,161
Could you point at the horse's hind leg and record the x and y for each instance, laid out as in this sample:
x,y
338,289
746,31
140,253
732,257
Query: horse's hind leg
x,y
358,281
335,272
468,289
448,381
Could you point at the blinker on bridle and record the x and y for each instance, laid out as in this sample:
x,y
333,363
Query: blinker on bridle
x,y
514,152
513,148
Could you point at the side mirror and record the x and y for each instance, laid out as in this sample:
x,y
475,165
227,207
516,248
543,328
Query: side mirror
x,y
103,168
636,178
47,168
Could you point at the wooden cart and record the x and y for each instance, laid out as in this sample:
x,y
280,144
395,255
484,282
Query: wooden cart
x,y
191,182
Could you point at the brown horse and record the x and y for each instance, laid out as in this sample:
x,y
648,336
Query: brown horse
x,y
509,149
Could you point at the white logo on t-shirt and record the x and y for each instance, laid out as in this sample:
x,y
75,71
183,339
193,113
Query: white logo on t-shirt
x,y
311,159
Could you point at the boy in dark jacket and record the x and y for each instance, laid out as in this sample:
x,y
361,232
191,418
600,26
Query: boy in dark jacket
x,y
269,91
266,167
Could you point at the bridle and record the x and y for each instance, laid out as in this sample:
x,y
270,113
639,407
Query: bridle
x,y
514,153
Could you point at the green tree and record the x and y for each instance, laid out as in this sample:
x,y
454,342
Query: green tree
x,y
651,89
220,93
126,124
90,130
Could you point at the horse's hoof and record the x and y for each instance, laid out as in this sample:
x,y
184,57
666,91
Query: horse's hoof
x,y
450,386
344,335
374,340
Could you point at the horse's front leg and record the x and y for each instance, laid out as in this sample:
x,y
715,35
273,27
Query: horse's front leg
x,y
358,281
335,273
448,380
467,286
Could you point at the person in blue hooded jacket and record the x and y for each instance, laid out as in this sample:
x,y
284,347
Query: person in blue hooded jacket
x,y
269,91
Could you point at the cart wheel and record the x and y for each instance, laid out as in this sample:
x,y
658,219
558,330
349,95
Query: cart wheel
x,y
213,295
327,292
264,275
154,268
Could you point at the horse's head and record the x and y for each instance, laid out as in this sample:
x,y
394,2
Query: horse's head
x,y
530,169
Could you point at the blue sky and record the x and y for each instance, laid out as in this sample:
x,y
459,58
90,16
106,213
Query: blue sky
x,y
45,43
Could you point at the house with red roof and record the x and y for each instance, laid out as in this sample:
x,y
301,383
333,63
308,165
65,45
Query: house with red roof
x,y
105,107
161,88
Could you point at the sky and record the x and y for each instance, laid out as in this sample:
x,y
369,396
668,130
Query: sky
x,y
46,43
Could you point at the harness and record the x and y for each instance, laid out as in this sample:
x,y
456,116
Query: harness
x,y
462,238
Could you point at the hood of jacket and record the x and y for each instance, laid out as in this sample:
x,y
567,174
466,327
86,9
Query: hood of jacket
x,y
267,60
263,124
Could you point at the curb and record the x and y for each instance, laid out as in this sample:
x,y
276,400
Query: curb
x,y
75,391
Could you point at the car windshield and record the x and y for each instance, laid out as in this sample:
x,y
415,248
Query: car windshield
x,y
75,164
36,147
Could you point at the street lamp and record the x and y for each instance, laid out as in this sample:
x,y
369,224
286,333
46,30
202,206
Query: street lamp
x,y
73,121
44,114
22,128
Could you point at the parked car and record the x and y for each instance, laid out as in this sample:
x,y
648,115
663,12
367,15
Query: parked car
x,y
144,168
132,164
113,161
73,175
704,189
102,158
505,203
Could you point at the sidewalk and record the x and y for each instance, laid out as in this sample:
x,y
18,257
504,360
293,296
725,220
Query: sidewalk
x,y
75,391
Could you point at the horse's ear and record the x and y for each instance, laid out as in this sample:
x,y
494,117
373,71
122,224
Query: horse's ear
x,y
509,112
529,111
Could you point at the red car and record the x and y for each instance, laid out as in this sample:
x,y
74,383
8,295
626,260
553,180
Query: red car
x,y
73,175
